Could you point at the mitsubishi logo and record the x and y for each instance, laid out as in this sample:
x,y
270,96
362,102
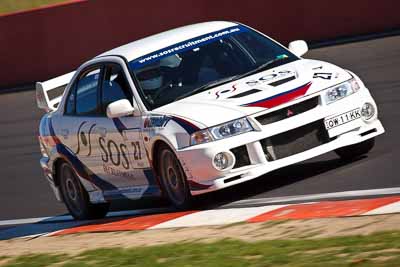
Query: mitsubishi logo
x,y
289,113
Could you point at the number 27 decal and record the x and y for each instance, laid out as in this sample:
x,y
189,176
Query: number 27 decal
x,y
137,152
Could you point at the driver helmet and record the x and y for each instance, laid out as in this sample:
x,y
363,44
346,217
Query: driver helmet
x,y
150,77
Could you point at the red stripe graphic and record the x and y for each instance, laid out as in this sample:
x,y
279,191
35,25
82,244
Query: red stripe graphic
x,y
281,98
325,209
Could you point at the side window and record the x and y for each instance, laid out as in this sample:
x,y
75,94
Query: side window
x,y
115,86
70,105
86,93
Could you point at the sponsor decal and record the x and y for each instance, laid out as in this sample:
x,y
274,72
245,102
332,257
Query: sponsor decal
x,y
162,121
83,171
156,121
186,45
116,172
281,98
266,78
224,91
323,75
84,140
111,153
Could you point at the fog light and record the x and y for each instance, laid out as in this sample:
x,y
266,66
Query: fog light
x,y
367,111
221,161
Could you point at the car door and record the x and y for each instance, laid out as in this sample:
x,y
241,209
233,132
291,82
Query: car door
x,y
119,142
81,110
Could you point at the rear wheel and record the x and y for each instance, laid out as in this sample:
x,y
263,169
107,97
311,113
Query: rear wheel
x,y
173,179
356,150
76,198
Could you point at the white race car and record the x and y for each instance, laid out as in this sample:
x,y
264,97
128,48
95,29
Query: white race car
x,y
193,110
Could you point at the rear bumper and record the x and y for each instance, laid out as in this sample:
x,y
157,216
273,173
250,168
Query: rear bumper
x,y
204,177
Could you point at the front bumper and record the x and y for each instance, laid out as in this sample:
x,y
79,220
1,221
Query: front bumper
x,y
204,177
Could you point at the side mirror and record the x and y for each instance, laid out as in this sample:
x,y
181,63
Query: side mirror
x,y
298,47
119,108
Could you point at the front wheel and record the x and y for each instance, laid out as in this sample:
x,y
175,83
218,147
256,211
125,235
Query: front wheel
x,y
356,150
76,198
173,179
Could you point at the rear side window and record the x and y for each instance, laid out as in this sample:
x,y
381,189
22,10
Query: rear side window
x,y
70,105
86,93
115,86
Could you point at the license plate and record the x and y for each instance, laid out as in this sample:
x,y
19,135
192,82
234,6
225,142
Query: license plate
x,y
342,118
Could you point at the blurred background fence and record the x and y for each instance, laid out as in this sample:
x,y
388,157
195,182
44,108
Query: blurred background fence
x,y
39,44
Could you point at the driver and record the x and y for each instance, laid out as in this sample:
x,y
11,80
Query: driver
x,y
151,77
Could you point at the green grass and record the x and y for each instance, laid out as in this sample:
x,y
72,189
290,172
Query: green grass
x,y
382,249
7,6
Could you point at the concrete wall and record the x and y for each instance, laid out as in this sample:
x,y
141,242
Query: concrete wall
x,y
44,43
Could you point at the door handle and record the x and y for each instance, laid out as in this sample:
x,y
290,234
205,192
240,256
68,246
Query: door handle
x,y
101,131
64,133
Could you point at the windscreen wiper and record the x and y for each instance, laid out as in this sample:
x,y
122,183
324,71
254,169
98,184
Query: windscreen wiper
x,y
262,67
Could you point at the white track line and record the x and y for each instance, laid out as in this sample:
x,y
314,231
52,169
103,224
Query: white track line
x,y
314,197
387,209
25,221
66,218
216,217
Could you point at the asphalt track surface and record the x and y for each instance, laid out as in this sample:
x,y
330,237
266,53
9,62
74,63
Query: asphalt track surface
x,y
24,193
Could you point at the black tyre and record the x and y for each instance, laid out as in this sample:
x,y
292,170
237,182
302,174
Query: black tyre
x,y
173,179
356,150
76,198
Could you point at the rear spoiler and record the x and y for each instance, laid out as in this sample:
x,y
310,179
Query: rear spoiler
x,y
49,93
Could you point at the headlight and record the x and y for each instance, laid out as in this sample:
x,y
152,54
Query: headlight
x,y
342,90
221,131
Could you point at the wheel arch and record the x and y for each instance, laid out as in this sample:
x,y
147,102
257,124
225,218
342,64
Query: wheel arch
x,y
56,168
156,147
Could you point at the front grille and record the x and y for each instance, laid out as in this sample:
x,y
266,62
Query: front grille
x,y
241,155
295,141
288,112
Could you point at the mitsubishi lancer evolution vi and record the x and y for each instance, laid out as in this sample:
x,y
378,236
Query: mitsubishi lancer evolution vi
x,y
193,110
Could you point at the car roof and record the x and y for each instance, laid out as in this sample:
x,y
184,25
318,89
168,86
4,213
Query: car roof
x,y
161,40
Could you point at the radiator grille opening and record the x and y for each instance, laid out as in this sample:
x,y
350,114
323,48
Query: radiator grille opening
x,y
241,155
295,141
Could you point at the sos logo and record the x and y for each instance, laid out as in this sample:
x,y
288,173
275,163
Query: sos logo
x,y
84,140
270,77
118,154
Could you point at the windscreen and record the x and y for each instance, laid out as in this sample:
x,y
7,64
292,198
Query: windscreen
x,y
201,63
